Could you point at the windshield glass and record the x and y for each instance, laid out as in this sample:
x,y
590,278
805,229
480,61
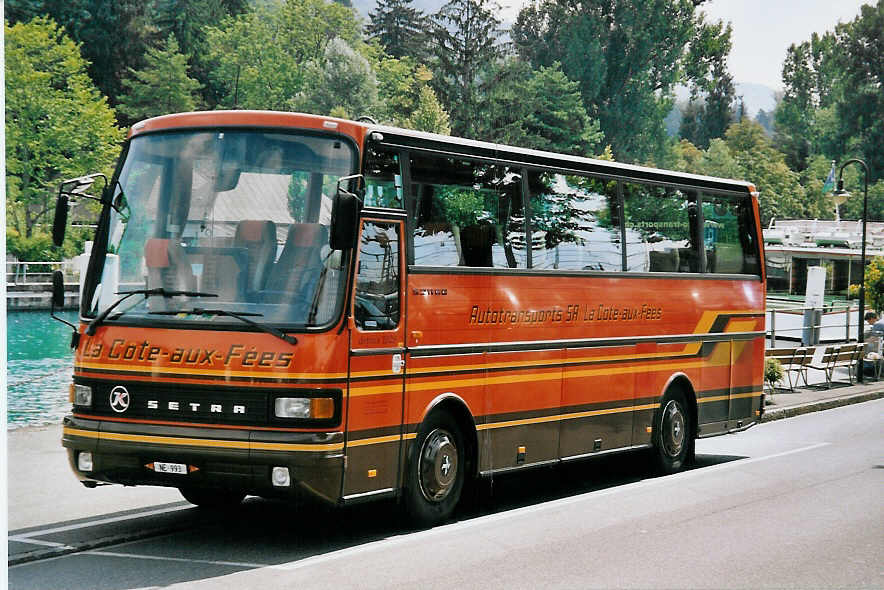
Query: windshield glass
x,y
240,215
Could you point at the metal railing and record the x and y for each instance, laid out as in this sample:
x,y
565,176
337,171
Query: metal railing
x,y
29,273
834,322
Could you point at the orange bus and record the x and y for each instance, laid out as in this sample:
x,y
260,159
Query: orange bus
x,y
278,302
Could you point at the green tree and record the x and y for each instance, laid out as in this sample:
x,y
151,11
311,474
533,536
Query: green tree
x,y
343,82
707,69
189,20
428,114
466,35
162,86
861,107
810,80
57,123
627,60
113,35
537,109
400,28
781,193
261,57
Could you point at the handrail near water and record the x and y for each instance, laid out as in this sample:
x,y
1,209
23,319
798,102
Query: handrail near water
x,y
30,273
832,323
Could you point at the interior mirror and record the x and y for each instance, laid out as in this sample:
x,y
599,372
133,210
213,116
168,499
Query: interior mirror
x,y
344,216
59,224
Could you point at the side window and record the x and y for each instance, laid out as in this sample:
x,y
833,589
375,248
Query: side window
x,y
729,235
383,179
467,214
575,222
376,301
660,229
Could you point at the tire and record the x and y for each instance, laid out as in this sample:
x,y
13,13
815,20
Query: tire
x,y
436,471
208,498
673,437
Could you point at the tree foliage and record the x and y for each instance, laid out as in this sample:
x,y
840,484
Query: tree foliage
x,y
162,86
113,35
57,123
188,21
861,108
401,29
466,41
342,82
261,57
539,109
626,60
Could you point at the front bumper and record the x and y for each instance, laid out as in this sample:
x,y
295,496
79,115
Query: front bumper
x,y
224,458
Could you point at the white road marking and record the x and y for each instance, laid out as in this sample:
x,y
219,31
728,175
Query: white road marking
x,y
38,542
176,559
554,504
100,521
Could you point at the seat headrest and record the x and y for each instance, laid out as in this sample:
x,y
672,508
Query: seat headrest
x,y
307,234
156,253
255,230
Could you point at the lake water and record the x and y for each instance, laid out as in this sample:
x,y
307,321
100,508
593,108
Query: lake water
x,y
40,365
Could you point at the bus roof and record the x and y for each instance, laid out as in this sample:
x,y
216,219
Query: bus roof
x,y
456,146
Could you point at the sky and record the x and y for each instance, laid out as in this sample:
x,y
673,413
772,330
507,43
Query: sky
x,y
762,30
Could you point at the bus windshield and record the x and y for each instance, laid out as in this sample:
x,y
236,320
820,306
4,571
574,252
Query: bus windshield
x,y
237,219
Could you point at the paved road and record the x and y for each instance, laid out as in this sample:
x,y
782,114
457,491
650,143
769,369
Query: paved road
x,y
791,503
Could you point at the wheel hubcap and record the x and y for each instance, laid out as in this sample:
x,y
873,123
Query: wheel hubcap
x,y
673,429
437,468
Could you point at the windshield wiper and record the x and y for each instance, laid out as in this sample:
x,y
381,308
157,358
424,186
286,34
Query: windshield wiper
x,y
240,316
90,329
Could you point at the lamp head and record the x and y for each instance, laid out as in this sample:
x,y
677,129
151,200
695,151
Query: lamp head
x,y
840,196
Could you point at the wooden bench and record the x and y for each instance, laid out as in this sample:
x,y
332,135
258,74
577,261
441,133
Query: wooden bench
x,y
844,355
793,360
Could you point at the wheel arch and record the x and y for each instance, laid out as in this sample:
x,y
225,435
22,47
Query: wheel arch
x,y
458,408
683,383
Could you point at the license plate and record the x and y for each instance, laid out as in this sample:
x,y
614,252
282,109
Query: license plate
x,y
177,468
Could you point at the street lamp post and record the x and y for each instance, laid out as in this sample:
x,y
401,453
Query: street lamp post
x,y
842,194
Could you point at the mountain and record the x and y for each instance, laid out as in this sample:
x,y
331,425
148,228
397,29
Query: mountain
x,y
756,96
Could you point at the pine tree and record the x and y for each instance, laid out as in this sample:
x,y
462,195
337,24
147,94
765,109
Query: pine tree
x,y
466,38
400,28
162,86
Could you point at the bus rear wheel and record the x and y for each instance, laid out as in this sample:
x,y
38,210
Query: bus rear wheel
x,y
436,471
673,438
206,498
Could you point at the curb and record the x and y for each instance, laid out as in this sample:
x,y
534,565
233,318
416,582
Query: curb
x,y
826,404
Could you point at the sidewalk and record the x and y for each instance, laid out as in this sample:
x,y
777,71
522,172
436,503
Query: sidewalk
x,y
43,491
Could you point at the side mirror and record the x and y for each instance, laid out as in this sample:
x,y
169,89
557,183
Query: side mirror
x,y
344,216
59,224
57,302
57,289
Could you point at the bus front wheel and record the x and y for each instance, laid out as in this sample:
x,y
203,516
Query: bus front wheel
x,y
436,471
673,439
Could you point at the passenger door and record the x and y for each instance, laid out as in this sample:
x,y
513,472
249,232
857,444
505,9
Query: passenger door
x,y
377,359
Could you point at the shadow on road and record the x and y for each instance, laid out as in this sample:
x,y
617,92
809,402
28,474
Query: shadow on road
x,y
195,544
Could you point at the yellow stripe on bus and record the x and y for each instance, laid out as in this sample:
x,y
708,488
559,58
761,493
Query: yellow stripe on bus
x,y
208,372
202,442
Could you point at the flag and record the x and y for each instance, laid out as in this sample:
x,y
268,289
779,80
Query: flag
x,y
829,184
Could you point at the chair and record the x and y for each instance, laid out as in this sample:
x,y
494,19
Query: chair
x,y
258,237
298,268
167,267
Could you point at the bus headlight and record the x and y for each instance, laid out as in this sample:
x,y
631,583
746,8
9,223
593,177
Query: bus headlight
x,y
305,408
82,395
